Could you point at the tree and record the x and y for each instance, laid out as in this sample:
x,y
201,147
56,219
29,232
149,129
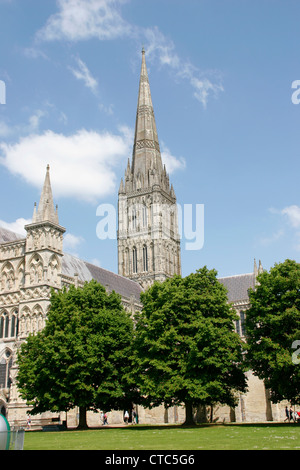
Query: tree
x,y
273,330
82,357
187,351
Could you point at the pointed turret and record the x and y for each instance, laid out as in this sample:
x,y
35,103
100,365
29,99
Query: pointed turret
x,y
44,232
146,150
255,269
121,189
46,210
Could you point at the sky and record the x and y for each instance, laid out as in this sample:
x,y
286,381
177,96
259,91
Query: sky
x,y
224,78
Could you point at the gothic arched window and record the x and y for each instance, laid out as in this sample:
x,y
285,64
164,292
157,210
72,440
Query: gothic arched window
x,y
134,260
5,366
145,259
9,325
4,325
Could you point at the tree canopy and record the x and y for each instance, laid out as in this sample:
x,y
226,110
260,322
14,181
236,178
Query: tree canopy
x,y
186,349
273,330
82,357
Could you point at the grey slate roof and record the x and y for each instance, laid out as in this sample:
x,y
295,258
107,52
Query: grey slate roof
x,y
8,236
238,286
86,271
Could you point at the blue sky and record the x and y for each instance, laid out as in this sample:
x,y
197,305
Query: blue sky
x,y
221,75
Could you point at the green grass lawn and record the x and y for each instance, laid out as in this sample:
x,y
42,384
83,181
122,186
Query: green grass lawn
x,y
207,437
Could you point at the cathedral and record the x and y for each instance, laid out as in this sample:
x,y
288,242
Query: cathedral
x,y
148,250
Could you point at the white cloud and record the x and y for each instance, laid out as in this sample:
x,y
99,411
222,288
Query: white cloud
x,y
17,226
82,165
80,20
293,215
30,127
83,73
72,241
172,163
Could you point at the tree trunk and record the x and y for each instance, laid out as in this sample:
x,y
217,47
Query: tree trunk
x,y
82,418
211,414
189,420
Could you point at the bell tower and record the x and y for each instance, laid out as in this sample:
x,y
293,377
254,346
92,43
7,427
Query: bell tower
x,y
148,237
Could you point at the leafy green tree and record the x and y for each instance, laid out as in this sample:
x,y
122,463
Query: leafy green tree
x,y
273,330
187,351
82,357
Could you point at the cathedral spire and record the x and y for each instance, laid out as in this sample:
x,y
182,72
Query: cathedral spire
x,y
146,150
46,210
148,235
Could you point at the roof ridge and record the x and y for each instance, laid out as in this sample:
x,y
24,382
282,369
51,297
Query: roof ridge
x,y
236,275
103,269
111,272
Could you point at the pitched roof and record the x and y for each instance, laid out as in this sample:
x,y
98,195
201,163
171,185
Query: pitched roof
x,y
9,236
86,272
238,286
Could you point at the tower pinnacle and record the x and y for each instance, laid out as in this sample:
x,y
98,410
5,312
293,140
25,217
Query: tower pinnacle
x,y
46,210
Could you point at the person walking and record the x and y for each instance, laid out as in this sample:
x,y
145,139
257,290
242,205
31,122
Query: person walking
x,y
287,414
28,422
126,417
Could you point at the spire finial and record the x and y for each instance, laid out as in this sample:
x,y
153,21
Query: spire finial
x,y
143,50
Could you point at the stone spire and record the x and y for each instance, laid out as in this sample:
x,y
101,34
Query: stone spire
x,y
46,210
146,151
148,235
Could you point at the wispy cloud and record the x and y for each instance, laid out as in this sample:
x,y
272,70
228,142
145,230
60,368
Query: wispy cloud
x,y
269,240
78,20
293,215
82,73
30,127
204,84
290,222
